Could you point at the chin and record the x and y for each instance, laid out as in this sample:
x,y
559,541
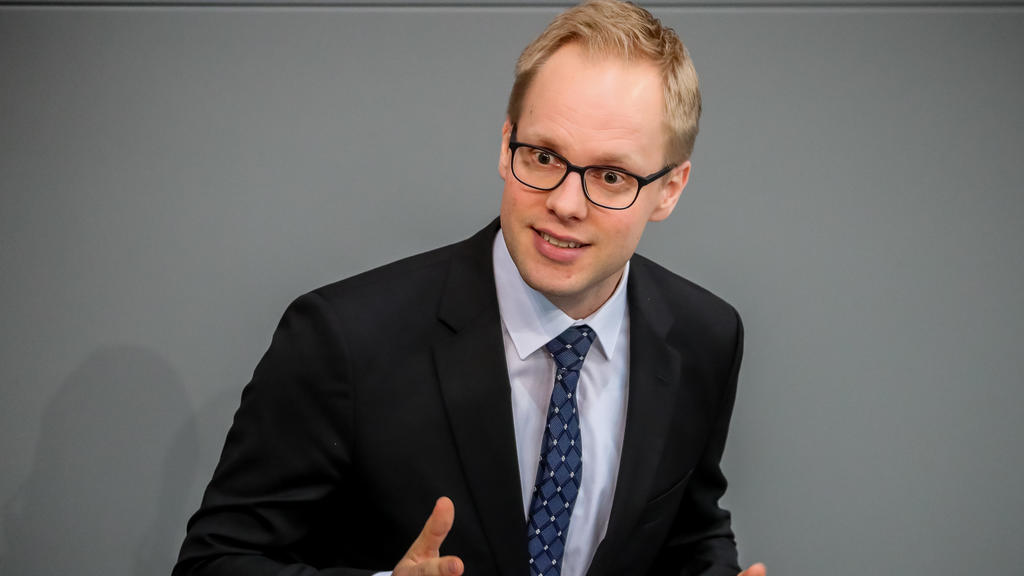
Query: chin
x,y
554,289
540,280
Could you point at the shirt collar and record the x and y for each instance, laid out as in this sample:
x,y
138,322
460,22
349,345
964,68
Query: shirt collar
x,y
532,320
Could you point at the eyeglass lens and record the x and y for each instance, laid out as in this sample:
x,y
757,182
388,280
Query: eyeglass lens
x,y
539,168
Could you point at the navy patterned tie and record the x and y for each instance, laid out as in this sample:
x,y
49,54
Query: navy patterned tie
x,y
561,465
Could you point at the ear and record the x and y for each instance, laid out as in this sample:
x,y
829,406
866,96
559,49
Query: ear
x,y
671,190
504,155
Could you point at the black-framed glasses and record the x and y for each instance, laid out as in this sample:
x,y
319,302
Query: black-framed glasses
x,y
606,186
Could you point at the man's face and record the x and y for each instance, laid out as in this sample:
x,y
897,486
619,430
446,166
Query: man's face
x,y
592,111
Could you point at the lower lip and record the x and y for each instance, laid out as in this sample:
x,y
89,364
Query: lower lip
x,y
556,253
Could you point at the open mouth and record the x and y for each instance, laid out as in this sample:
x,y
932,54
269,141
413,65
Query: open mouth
x,y
559,243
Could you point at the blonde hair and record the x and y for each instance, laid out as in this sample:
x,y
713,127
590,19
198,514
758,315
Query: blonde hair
x,y
627,31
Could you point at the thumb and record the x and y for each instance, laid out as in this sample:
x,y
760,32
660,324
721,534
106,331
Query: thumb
x,y
428,543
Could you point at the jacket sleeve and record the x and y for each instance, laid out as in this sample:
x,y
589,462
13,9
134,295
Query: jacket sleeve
x,y
702,542
273,506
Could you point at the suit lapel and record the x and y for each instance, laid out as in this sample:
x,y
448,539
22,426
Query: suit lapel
x,y
654,373
474,384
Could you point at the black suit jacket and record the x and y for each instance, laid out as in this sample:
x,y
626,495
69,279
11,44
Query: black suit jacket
x,y
384,391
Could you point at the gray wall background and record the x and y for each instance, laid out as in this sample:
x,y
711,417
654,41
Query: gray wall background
x,y
171,176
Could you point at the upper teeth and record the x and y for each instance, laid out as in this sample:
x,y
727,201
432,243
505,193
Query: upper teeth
x,y
560,243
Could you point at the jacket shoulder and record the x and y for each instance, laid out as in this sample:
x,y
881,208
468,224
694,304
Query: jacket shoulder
x,y
414,279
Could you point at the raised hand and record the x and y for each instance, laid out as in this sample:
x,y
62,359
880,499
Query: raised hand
x,y
755,570
424,556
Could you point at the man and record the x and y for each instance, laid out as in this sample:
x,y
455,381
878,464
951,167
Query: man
x,y
570,399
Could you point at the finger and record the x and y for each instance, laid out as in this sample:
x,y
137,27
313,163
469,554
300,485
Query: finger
x,y
428,543
443,566
755,570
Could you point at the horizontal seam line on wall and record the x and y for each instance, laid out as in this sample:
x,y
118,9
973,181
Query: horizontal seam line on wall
x,y
852,4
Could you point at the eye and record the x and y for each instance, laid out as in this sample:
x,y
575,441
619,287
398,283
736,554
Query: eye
x,y
543,158
612,178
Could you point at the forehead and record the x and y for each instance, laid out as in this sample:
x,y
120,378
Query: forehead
x,y
593,106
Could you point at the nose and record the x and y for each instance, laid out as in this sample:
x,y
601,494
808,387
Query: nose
x,y
568,201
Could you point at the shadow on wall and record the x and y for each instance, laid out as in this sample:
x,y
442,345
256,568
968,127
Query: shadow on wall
x,y
115,461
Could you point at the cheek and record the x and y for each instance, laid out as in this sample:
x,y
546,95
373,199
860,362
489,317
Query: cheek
x,y
507,203
628,233
516,202
513,214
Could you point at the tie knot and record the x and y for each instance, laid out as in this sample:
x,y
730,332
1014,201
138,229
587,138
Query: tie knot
x,y
570,347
